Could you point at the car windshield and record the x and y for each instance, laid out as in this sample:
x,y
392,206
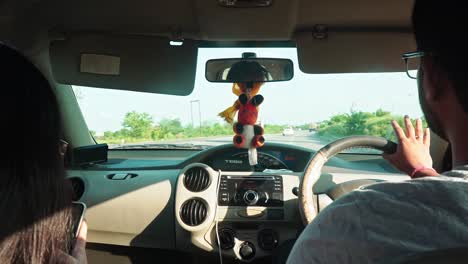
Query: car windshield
x,y
311,110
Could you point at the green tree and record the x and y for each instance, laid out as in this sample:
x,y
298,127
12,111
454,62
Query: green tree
x,y
138,125
170,128
171,125
338,119
381,112
355,123
108,134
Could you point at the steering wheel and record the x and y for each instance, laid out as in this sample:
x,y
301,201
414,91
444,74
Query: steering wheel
x,y
307,198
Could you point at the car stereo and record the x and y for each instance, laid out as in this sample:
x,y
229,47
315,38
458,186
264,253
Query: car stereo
x,y
263,190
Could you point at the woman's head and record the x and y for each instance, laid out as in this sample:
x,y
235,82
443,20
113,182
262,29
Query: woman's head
x,y
34,199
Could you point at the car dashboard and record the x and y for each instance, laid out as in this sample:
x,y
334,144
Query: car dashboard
x,y
191,203
269,158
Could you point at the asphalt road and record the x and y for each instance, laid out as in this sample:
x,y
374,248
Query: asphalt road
x,y
301,138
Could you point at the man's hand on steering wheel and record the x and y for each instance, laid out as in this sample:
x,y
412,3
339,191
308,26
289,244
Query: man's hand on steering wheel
x,y
412,155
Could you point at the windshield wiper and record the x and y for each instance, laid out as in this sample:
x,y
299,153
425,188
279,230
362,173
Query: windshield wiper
x,y
161,146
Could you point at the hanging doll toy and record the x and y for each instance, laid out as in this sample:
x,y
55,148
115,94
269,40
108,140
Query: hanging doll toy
x,y
248,134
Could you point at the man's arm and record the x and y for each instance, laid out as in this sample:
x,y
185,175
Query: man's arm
x,y
336,235
381,222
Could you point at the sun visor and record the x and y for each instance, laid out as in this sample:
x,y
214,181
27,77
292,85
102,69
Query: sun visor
x,y
136,63
353,52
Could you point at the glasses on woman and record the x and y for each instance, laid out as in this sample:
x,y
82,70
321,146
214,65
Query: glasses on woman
x,y
413,63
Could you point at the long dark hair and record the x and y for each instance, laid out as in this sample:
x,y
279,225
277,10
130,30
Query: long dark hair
x,y
35,216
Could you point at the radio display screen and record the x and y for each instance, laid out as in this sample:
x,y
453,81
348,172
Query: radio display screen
x,y
251,191
253,184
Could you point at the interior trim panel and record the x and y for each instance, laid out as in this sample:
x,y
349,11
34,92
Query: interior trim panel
x,y
133,211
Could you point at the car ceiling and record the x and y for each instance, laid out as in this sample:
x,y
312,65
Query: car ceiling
x,y
361,36
207,20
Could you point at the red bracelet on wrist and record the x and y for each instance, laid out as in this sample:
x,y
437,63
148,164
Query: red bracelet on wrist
x,y
418,169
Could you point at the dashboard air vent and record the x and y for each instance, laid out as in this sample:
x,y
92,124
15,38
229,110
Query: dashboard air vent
x,y
78,188
193,212
196,179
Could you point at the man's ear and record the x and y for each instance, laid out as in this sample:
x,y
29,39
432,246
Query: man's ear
x,y
435,80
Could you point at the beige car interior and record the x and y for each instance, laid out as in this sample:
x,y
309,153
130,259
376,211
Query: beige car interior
x,y
124,45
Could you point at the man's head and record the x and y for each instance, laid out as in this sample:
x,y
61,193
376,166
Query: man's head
x,y
247,73
440,28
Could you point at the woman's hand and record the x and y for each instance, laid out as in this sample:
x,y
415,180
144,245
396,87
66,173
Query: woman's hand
x,y
78,254
412,155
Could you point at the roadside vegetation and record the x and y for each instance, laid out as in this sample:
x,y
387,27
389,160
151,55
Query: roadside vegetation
x,y
140,127
360,123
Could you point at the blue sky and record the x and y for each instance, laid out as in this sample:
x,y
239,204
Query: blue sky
x,y
306,98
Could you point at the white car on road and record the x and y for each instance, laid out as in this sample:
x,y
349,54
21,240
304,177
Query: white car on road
x,y
289,131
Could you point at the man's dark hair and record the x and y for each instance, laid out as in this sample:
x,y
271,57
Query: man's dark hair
x,y
247,70
440,28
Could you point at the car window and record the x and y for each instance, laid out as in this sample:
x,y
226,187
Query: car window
x,y
311,110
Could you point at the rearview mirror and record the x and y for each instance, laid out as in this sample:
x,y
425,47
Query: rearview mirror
x,y
249,70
